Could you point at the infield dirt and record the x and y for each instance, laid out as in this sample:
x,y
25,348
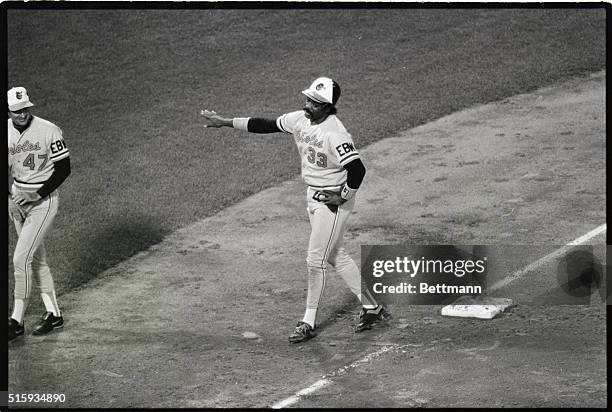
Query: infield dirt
x,y
165,328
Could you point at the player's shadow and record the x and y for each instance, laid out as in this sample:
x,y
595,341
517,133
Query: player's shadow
x,y
109,245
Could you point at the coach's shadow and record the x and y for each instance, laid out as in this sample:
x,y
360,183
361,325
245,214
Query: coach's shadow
x,y
111,244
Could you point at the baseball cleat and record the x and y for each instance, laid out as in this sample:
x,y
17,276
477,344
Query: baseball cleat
x,y
367,317
15,329
303,331
48,323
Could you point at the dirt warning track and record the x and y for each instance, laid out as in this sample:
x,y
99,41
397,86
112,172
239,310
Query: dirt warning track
x,y
166,327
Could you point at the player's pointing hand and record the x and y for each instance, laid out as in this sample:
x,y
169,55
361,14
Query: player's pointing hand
x,y
214,120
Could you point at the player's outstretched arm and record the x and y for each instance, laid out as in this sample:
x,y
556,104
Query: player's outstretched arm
x,y
214,120
248,124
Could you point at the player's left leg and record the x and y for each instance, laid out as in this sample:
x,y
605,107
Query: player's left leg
x,y
346,267
44,278
348,270
52,318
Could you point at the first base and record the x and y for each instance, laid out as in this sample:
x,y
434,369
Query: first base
x,y
481,308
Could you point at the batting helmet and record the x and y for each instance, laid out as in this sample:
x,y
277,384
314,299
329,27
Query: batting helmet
x,y
323,90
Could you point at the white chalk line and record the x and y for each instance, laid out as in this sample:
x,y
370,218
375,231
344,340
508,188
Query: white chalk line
x,y
553,255
326,381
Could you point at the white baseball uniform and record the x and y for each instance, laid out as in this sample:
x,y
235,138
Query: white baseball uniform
x,y
324,149
31,156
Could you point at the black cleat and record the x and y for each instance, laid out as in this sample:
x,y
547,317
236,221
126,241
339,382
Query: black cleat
x,y
15,329
48,323
303,331
367,317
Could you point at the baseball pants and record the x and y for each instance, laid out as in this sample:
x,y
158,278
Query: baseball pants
x,y
325,246
30,257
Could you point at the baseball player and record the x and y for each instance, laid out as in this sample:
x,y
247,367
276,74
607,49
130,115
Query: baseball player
x,y
333,171
38,163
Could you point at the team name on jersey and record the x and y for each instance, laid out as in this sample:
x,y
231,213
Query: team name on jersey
x,y
345,148
26,146
302,137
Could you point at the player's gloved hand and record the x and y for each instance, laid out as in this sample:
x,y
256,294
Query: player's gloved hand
x,y
21,198
214,120
332,198
15,212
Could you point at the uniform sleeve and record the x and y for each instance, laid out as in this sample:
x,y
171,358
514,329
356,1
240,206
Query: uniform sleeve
x,y
288,122
342,146
61,170
57,146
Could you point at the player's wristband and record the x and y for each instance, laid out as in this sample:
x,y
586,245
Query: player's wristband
x,y
347,193
241,123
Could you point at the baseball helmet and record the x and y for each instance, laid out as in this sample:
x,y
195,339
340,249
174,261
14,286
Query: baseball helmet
x,y
323,90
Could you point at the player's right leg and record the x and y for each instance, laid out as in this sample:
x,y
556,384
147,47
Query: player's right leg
x,y
325,227
316,263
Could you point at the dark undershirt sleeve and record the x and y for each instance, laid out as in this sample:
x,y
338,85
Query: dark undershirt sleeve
x,y
259,125
355,173
61,170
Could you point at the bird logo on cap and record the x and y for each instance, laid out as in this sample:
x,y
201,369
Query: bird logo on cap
x,y
18,95
320,86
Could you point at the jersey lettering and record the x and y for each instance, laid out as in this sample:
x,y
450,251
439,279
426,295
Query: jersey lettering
x,y
57,146
345,148
313,141
26,146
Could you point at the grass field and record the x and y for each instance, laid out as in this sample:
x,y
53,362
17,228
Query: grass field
x,y
126,87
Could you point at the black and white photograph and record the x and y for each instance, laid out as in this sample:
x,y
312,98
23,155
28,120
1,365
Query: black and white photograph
x,y
274,205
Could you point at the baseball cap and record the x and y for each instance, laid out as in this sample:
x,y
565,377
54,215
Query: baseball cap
x,y
18,99
323,90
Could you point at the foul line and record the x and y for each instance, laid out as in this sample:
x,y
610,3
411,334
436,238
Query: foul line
x,y
553,255
326,381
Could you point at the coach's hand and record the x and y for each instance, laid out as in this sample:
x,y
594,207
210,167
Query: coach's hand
x,y
21,198
332,198
15,212
214,120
